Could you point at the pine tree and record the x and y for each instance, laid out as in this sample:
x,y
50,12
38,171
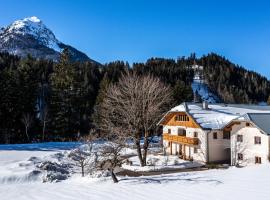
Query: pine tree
x,y
63,118
103,86
182,92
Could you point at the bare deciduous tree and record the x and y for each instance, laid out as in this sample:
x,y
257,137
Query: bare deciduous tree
x,y
27,120
44,121
111,157
84,156
133,106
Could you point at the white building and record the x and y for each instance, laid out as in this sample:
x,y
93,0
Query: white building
x,y
218,133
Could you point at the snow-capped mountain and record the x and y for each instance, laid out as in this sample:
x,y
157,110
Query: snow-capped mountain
x,y
31,36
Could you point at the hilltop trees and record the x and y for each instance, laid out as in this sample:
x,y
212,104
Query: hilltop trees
x,y
233,83
61,96
176,74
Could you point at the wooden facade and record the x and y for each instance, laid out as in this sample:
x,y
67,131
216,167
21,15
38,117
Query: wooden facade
x,y
172,119
180,139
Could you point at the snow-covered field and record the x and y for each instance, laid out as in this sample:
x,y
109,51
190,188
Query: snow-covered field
x,y
233,183
160,162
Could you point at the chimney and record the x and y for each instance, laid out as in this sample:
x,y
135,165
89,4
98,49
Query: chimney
x,y
205,105
185,106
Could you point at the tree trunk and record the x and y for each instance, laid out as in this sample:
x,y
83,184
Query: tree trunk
x,y
139,151
26,132
114,178
145,149
82,170
43,131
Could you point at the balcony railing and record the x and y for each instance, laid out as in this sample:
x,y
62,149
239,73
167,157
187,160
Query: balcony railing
x,y
180,139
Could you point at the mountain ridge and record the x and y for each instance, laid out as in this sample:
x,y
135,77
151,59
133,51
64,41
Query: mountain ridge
x,y
31,36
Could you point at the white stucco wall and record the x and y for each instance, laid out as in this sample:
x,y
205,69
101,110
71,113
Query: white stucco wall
x,y
248,148
219,149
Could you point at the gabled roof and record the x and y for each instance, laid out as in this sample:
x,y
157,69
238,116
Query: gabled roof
x,y
218,115
261,120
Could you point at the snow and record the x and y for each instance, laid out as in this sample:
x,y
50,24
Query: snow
x,y
15,160
180,108
160,162
233,183
33,26
198,85
203,91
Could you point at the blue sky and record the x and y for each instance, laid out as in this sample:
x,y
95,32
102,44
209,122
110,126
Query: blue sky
x,y
134,30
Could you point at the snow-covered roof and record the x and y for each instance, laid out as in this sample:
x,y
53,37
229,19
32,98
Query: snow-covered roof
x,y
217,116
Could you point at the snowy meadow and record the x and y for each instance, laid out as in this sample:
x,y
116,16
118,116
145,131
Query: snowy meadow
x,y
21,179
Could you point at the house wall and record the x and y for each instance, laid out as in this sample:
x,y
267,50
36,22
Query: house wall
x,y
201,147
219,149
248,148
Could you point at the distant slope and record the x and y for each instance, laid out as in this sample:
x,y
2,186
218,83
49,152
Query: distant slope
x,y
31,36
200,88
218,81
232,83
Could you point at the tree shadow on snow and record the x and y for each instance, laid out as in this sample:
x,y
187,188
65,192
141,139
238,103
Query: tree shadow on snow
x,y
46,146
169,178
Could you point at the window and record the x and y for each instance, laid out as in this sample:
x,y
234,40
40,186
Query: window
x,y
181,132
181,118
239,138
258,160
169,131
226,135
240,156
195,150
215,135
195,134
247,124
257,140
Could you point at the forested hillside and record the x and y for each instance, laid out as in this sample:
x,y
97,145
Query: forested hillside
x,y
233,83
43,101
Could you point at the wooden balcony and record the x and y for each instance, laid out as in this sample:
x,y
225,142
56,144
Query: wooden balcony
x,y
180,139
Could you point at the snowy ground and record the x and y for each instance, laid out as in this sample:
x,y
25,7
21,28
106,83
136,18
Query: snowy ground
x,y
160,162
233,183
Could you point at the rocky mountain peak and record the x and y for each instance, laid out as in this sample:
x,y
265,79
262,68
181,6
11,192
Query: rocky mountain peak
x,y
31,36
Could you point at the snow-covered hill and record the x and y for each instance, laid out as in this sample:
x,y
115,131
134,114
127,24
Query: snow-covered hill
x,y
31,36
200,88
